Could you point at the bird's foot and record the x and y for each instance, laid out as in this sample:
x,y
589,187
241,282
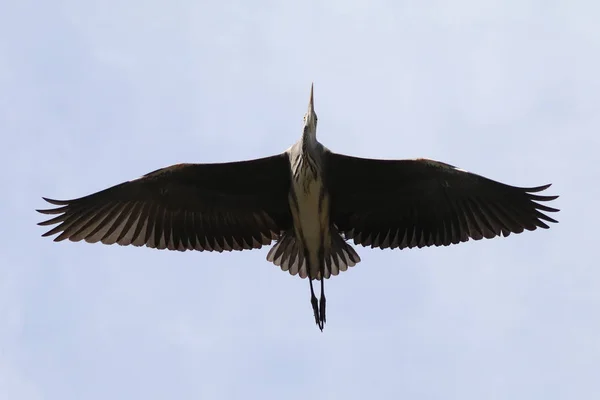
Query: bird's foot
x,y
315,306
322,311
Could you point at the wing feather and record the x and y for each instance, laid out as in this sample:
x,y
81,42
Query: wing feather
x,y
420,203
204,207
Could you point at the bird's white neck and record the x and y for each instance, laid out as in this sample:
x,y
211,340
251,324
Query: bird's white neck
x,y
309,140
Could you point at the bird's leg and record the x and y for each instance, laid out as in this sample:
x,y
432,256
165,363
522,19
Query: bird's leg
x,y
315,306
322,303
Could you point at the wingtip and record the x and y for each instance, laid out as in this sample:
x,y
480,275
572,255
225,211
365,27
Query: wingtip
x,y
538,188
46,234
56,202
52,211
45,210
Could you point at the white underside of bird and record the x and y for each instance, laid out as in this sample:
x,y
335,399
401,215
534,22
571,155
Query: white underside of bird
x,y
311,224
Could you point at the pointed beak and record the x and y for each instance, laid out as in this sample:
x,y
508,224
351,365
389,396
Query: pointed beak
x,y
311,104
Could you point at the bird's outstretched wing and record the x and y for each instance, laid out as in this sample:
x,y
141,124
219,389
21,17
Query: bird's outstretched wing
x,y
212,207
417,203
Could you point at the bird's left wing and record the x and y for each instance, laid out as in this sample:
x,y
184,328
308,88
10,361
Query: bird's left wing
x,y
213,207
417,203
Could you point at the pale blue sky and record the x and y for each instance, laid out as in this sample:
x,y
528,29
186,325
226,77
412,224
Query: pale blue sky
x,y
93,93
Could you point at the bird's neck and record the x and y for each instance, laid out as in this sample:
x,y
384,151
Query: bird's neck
x,y
305,163
309,141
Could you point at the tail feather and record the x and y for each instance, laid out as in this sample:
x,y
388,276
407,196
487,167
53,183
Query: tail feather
x,y
288,255
341,257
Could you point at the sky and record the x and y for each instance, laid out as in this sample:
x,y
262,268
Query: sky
x,y
94,93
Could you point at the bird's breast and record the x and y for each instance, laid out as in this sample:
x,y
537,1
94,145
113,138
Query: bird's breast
x,y
311,214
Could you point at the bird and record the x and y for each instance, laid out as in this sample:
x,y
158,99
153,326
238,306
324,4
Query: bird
x,y
311,202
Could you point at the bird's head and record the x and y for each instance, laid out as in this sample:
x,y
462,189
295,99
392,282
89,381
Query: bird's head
x,y
310,118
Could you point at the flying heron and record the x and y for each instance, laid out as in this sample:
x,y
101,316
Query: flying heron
x,y
310,201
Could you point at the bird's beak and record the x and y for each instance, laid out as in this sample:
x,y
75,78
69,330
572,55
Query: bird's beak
x,y
311,104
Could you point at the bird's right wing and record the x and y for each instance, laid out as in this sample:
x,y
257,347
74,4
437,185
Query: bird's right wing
x,y
212,207
417,203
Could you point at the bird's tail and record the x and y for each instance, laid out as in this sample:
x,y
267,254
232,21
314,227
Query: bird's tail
x,y
288,254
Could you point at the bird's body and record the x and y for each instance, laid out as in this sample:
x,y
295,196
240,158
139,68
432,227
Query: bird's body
x,y
310,205
310,201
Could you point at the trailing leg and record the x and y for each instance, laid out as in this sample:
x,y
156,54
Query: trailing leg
x,y
315,306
